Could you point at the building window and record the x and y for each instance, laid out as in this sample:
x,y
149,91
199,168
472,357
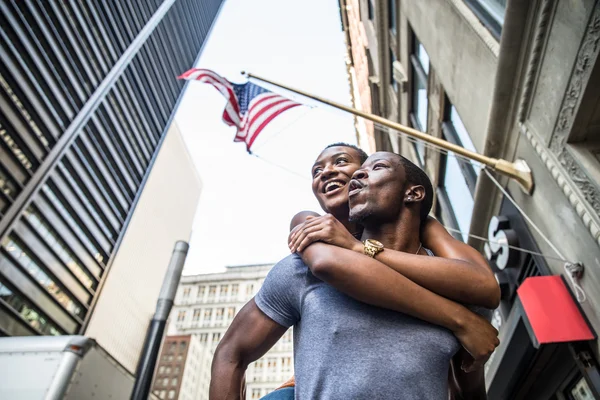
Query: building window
x,y
235,288
165,381
186,292
182,347
174,382
224,291
161,370
59,247
33,267
419,61
491,13
180,316
207,316
74,225
230,313
27,312
287,337
458,178
249,289
171,394
168,371
286,364
219,314
216,337
196,315
172,348
201,291
212,292
203,337
255,394
271,365
7,185
392,15
391,75
370,10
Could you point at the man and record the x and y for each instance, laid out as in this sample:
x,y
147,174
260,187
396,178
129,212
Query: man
x,y
344,348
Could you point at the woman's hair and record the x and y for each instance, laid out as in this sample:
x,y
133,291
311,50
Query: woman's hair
x,y
361,153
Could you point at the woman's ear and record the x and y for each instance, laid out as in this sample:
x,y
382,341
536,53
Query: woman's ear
x,y
414,194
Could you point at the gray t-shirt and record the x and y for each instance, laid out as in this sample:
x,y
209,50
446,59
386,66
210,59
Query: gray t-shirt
x,y
345,349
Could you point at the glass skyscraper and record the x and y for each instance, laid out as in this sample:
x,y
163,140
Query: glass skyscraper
x,y
88,91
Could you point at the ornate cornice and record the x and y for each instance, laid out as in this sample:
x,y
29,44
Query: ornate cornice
x,y
541,32
571,180
581,192
586,57
580,186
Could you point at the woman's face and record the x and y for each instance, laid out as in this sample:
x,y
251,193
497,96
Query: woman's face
x,y
331,174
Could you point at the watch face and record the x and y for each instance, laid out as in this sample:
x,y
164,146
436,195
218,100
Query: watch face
x,y
375,243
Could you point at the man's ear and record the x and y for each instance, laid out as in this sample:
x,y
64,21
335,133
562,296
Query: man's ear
x,y
414,194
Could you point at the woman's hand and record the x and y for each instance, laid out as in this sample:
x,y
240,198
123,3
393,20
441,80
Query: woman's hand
x,y
325,229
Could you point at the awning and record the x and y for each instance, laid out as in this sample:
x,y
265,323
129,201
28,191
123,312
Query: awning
x,y
544,323
552,312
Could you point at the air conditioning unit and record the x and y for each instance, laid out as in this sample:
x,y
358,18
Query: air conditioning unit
x,y
400,76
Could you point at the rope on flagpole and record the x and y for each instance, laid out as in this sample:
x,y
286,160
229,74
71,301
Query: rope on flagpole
x,y
293,122
574,270
280,166
517,248
486,240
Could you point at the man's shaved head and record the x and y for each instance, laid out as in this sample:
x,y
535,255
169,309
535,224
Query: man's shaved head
x,y
416,176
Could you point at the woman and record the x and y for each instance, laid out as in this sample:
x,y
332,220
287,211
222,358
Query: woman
x,y
469,280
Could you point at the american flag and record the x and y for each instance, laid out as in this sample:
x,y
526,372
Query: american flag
x,y
249,107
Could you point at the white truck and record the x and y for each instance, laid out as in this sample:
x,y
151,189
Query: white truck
x,y
60,367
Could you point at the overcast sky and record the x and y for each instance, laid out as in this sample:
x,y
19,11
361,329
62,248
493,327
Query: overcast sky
x,y
247,202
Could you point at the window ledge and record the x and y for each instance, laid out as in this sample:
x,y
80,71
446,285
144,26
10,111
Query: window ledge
x,y
478,27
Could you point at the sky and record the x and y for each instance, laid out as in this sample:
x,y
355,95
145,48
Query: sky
x,y
247,202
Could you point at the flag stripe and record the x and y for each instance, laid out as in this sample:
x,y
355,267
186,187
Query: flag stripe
x,y
285,107
231,107
263,112
222,85
260,103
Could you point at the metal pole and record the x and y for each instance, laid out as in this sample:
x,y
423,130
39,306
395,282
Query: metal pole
x,y
147,363
518,170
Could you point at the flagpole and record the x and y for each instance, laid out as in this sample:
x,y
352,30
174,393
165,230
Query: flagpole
x,y
518,170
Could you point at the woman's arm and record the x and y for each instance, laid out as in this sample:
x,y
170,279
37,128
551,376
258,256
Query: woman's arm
x,y
453,274
372,282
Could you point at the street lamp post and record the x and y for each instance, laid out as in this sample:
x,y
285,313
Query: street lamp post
x,y
147,363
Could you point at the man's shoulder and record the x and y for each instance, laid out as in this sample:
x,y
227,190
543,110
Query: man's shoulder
x,y
293,260
289,267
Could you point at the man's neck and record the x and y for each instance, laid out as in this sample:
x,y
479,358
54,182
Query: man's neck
x,y
402,234
354,228
342,215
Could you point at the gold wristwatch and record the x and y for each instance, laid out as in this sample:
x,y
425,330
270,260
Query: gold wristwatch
x,y
372,247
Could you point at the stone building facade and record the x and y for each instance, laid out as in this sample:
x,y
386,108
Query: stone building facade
x,y
205,306
512,80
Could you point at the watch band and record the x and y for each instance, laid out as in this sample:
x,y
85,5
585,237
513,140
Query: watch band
x,y
372,248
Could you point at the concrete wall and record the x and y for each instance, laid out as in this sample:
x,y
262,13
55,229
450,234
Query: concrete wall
x,y
163,215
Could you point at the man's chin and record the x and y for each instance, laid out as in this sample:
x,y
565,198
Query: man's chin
x,y
358,214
